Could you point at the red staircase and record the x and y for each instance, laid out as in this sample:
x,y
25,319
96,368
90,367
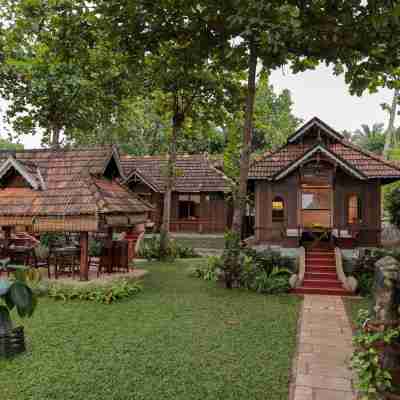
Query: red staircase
x,y
320,274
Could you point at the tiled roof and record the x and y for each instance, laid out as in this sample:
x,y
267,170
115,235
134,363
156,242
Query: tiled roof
x,y
370,165
195,173
73,185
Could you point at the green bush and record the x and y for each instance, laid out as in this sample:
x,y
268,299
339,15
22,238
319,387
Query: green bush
x,y
264,272
372,377
106,293
392,204
209,271
47,238
95,247
150,250
364,268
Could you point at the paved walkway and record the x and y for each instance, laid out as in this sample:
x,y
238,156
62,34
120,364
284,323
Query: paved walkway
x,y
324,350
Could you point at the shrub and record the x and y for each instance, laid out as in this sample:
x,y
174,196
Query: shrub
x,y
275,282
106,293
265,272
364,268
392,205
95,247
150,250
367,362
211,270
47,238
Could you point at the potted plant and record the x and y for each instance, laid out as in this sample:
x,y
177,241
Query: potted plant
x,y
15,294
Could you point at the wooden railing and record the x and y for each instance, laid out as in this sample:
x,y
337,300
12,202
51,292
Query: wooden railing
x,y
344,236
199,225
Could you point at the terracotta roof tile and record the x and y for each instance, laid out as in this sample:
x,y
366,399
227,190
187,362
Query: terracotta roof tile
x,y
196,173
73,185
369,164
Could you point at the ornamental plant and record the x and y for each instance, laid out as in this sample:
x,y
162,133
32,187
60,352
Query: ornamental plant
x,y
373,378
17,295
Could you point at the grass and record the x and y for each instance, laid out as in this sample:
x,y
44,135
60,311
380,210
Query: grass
x,y
181,338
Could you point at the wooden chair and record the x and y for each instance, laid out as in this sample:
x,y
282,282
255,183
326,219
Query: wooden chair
x,y
21,255
42,260
66,263
106,258
120,255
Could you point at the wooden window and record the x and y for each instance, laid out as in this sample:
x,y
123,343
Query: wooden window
x,y
278,210
189,206
354,213
316,205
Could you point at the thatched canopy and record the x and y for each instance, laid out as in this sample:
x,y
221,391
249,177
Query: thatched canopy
x,y
74,190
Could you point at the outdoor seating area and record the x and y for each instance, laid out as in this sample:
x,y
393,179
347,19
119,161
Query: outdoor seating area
x,y
62,257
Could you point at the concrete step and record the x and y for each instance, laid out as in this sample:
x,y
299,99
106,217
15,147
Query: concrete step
x,y
323,269
320,275
320,262
322,283
322,291
320,256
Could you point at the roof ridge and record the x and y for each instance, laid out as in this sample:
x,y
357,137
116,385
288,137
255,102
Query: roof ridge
x,y
58,150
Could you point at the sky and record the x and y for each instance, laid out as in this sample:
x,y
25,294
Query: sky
x,y
321,94
314,93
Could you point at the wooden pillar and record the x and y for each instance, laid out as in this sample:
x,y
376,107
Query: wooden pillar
x,y
84,266
7,235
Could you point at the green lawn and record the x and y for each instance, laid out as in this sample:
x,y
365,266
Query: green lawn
x,y
181,338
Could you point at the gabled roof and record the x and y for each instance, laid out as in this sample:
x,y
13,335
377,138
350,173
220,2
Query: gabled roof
x,y
72,184
318,123
273,165
31,174
319,148
196,173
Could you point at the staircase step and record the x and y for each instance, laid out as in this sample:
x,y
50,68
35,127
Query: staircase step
x,y
318,262
320,275
320,255
322,283
322,291
320,251
321,269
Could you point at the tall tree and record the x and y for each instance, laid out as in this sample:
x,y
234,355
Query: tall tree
x,y
390,131
370,138
273,116
57,72
142,127
185,71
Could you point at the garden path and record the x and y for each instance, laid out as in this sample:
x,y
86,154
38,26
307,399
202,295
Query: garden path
x,y
324,350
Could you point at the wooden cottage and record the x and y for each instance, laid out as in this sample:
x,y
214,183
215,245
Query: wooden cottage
x,y
75,190
200,199
319,186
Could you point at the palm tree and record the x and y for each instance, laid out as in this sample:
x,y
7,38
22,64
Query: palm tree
x,y
370,138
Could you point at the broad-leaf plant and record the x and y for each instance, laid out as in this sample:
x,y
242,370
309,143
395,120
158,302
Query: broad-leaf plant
x,y
15,294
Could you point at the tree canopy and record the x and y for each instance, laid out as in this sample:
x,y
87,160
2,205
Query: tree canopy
x,y
63,76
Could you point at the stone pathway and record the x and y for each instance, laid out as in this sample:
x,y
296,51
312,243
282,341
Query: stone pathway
x,y
324,350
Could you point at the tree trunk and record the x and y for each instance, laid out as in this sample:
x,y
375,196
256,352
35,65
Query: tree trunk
x,y
390,129
171,166
231,256
55,137
240,196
